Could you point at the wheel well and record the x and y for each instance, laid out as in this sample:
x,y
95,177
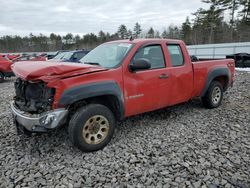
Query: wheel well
x,y
109,101
223,80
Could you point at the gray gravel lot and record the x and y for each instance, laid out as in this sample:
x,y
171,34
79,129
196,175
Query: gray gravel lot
x,y
182,146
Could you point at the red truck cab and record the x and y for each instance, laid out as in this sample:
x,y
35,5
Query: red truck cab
x,y
115,80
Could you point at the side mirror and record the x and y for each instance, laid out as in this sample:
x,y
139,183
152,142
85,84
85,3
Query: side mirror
x,y
140,64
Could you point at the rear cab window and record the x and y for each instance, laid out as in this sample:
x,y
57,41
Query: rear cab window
x,y
176,55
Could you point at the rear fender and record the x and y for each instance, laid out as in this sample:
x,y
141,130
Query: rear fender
x,y
213,74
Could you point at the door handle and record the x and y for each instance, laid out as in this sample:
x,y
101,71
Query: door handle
x,y
164,76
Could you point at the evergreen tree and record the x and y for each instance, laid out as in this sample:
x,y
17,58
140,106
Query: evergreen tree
x,y
122,32
157,34
186,30
68,38
197,29
137,30
164,34
129,34
210,19
102,36
77,41
231,5
151,33
245,12
77,38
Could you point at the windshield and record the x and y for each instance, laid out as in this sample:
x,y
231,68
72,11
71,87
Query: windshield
x,y
64,55
107,55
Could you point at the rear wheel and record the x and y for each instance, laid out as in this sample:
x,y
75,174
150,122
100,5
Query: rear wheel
x,y
91,127
1,77
214,95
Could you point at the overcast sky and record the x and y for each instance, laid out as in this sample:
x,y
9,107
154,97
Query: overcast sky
x,y
21,17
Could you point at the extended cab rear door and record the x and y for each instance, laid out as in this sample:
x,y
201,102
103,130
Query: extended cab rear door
x,y
181,73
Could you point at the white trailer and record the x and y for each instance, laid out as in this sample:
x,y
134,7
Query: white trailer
x,y
218,50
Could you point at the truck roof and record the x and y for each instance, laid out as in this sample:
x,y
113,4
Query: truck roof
x,y
137,41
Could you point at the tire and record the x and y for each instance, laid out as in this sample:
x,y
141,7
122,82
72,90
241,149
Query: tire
x,y
1,77
213,96
91,127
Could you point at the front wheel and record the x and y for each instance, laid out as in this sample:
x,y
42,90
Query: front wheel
x,y
214,95
91,127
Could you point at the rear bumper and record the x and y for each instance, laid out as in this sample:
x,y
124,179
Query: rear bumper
x,y
39,122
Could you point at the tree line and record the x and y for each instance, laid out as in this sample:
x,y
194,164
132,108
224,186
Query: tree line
x,y
208,26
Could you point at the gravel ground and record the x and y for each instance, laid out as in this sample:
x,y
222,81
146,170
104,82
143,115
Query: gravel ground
x,y
182,146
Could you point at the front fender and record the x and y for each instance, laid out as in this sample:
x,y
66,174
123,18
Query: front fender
x,y
78,93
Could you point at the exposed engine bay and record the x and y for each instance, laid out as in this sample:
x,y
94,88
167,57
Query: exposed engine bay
x,y
33,97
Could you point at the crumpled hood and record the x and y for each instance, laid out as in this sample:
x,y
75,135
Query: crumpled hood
x,y
48,71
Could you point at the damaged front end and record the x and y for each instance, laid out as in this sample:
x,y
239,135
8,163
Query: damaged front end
x,y
32,107
33,97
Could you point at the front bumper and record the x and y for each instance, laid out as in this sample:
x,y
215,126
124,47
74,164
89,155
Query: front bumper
x,y
39,122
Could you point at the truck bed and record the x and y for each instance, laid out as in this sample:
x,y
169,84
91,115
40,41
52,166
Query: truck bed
x,y
201,68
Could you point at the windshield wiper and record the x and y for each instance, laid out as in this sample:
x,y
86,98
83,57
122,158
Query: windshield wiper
x,y
92,63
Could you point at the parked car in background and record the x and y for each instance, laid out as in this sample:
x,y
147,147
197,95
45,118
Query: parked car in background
x,y
12,56
33,57
116,80
5,68
51,55
241,59
71,56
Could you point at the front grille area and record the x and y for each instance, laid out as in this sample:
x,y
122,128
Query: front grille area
x,y
33,97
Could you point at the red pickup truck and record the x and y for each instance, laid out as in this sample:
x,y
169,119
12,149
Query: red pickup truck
x,y
5,68
115,80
